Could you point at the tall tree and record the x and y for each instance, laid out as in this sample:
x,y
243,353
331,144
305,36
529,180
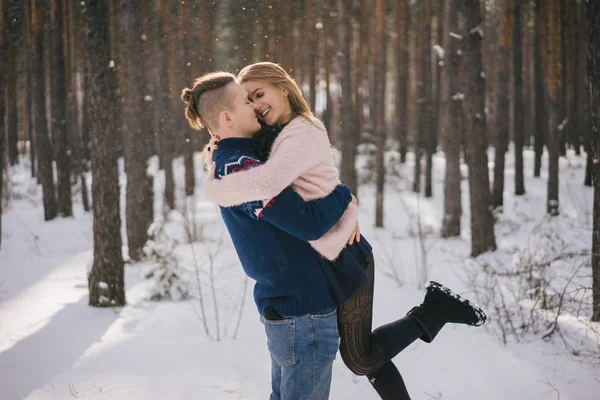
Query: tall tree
x,y
328,42
553,85
451,123
482,226
106,280
73,126
380,126
584,111
594,79
541,120
518,103
503,110
563,14
311,53
14,33
424,101
3,41
402,63
180,28
350,136
166,128
136,134
29,116
44,146
58,103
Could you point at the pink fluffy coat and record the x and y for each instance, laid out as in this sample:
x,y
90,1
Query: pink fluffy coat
x,y
300,158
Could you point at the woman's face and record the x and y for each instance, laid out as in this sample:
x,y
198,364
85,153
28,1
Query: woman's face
x,y
272,104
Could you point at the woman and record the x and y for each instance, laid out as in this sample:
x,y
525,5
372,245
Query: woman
x,y
301,157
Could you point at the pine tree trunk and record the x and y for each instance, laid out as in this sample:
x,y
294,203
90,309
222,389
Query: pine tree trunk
x,y
74,137
553,84
503,110
518,103
482,225
594,79
11,102
136,136
348,129
380,134
571,79
526,51
29,116
3,43
424,101
166,130
451,122
541,119
362,60
431,142
402,62
584,103
327,39
44,146
58,103
106,280
563,93
179,33
312,57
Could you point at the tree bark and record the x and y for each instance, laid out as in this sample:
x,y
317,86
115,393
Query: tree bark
x,y
11,101
73,133
29,116
594,79
3,42
541,116
503,110
328,41
58,103
451,122
136,135
518,103
424,101
44,146
106,280
350,136
402,63
553,85
380,70
563,92
312,57
166,129
482,226
584,110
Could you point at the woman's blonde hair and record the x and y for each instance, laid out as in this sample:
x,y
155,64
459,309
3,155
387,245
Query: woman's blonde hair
x,y
277,76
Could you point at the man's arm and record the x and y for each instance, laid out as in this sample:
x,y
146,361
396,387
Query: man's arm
x,y
310,220
288,211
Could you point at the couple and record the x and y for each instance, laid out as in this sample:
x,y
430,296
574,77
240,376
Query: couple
x,y
295,230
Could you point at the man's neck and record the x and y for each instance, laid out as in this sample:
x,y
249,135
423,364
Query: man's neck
x,y
232,135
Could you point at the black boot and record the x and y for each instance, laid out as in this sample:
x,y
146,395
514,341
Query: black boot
x,y
440,306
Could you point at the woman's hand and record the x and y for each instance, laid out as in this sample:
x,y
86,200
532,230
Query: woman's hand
x,y
355,235
211,172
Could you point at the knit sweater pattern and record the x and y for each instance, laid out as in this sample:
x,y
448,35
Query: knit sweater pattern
x,y
271,236
301,158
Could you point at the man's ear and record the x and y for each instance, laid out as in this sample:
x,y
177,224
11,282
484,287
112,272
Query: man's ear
x,y
225,119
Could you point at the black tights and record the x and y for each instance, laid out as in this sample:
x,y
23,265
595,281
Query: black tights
x,y
367,352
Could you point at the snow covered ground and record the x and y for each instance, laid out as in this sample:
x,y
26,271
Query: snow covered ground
x,y
53,346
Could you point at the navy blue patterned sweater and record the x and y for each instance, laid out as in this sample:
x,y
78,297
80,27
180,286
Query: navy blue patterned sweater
x,y
271,237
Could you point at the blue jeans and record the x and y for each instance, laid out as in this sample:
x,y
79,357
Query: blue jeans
x,y
302,352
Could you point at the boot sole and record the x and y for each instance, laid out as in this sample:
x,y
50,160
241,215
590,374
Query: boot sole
x,y
481,317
